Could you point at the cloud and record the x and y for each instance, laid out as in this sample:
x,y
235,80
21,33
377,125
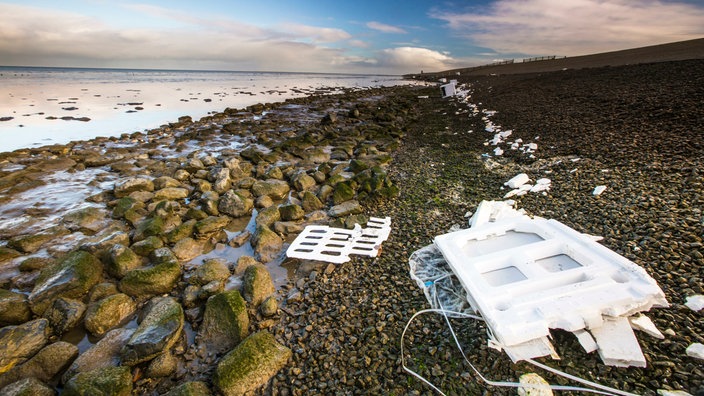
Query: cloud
x,y
414,59
358,43
385,28
317,34
576,27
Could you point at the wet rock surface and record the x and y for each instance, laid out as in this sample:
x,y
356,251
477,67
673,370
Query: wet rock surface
x,y
232,187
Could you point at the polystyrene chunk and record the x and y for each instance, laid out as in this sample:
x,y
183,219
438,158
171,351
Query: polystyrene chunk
x,y
586,340
518,180
695,302
643,323
617,345
598,190
695,350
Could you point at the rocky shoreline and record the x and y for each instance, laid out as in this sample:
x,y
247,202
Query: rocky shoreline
x,y
169,268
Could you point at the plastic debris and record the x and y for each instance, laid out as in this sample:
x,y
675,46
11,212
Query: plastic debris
x,y
448,89
334,245
695,350
695,302
537,386
598,190
664,392
643,323
518,180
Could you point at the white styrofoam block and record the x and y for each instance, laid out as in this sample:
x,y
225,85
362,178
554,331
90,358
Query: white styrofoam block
x,y
518,180
490,211
334,245
598,190
532,349
586,340
643,323
617,345
526,276
695,302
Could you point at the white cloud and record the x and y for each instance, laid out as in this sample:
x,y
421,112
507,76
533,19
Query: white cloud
x,y
575,27
385,28
414,59
317,34
358,43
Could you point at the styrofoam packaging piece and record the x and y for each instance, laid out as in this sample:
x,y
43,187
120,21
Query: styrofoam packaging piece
x,y
518,180
695,350
334,245
490,211
448,90
616,343
695,302
598,190
526,276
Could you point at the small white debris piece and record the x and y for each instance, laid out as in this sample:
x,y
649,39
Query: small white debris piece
x,y
448,89
695,350
586,340
617,345
498,151
491,211
643,323
518,180
423,97
598,190
541,185
695,302
664,392
535,385
334,245
535,348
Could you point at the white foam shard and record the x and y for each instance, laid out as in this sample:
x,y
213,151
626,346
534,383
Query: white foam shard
x,y
491,211
586,340
598,190
334,245
695,350
695,302
644,324
518,180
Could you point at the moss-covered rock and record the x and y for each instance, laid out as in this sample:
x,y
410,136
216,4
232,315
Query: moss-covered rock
x,y
302,182
193,388
71,277
108,312
310,202
31,243
19,343
257,284
123,205
291,212
266,243
186,229
147,245
357,166
210,270
152,226
268,216
106,381
276,189
127,186
250,365
171,193
209,226
47,363
7,254
157,279
157,332
187,249
345,209
14,308
225,321
27,387
235,204
64,314
343,192
121,260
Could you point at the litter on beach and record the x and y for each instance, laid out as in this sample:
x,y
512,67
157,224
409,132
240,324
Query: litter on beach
x,y
334,245
524,276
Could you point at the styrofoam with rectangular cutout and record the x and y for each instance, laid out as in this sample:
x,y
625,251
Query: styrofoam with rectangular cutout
x,y
526,276
335,245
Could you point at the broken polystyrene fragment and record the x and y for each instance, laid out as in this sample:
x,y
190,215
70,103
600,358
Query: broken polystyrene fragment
x,y
518,180
491,211
695,350
643,323
695,302
598,190
498,151
334,245
664,392
617,345
541,185
531,349
535,385
586,340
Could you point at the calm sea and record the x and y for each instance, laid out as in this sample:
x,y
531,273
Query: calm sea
x,y
41,106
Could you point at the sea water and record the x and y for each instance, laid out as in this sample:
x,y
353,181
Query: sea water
x,y
42,106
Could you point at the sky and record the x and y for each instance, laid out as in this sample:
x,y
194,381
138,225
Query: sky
x,y
335,36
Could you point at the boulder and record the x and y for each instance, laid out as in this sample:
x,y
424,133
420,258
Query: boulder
x,y
152,226
273,188
235,204
266,243
88,220
303,182
100,246
193,388
244,262
71,277
325,192
209,226
268,216
291,212
157,333
108,312
43,366
147,245
316,155
105,353
250,365
269,307
124,205
27,387
14,308
171,193
264,201
211,270
225,321
345,209
165,182
7,254
64,314
257,284
106,381
187,249
157,279
185,230
342,193
310,202
21,342
102,290
162,366
124,187
31,243
288,227
121,260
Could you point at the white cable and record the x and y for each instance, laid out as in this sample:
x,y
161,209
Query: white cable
x,y
600,389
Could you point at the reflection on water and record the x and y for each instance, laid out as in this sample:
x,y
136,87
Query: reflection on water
x,y
43,106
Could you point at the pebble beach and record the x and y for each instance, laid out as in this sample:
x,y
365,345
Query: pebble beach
x,y
402,152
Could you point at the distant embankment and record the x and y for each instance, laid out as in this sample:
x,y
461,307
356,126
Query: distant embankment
x,y
682,50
